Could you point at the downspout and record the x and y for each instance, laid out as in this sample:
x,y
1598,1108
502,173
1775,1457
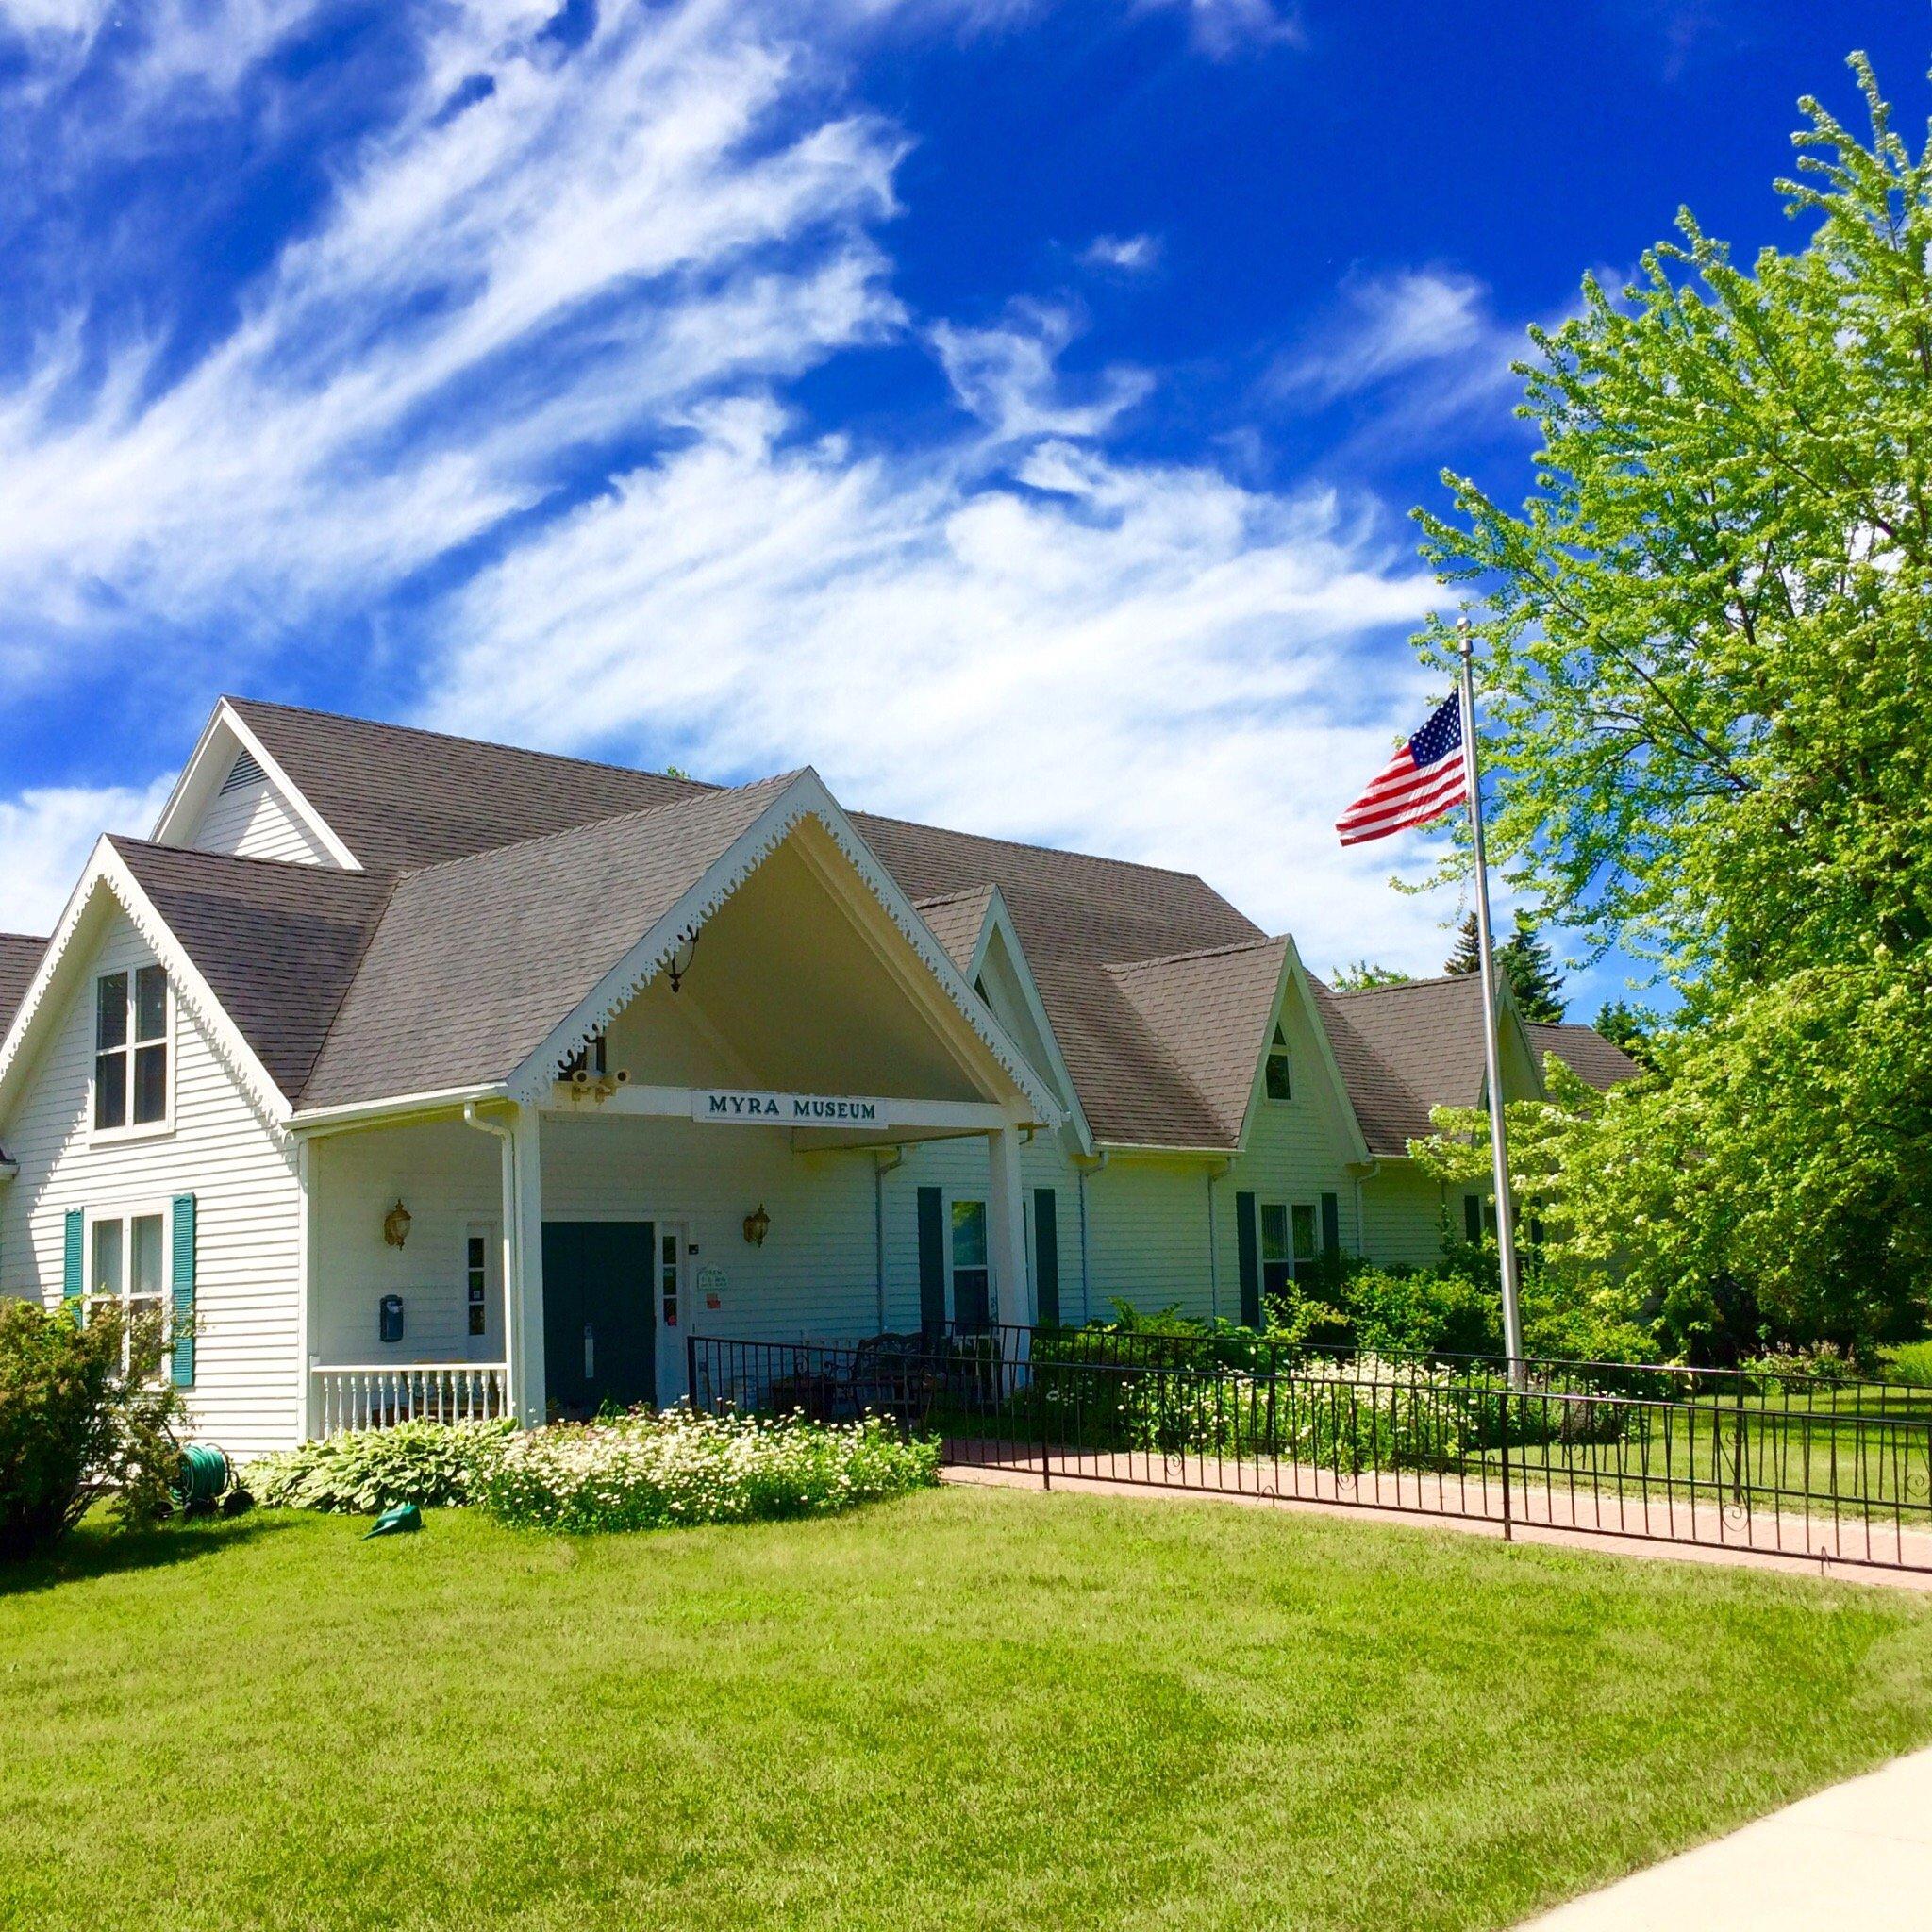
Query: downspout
x,y
1214,1174
1085,1168
1364,1171
881,1166
512,1252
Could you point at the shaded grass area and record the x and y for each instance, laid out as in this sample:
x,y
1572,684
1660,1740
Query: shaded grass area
x,y
963,1709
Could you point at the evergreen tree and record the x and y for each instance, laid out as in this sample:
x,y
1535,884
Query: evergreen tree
x,y
1532,973
1468,955
1623,1026
1525,962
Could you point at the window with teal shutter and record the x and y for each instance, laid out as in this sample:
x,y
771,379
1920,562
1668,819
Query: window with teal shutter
x,y
73,1255
184,1291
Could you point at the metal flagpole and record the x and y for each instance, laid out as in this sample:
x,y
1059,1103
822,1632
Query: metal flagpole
x,y
1499,1137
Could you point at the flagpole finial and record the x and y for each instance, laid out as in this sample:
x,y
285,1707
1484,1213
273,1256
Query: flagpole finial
x,y
1465,636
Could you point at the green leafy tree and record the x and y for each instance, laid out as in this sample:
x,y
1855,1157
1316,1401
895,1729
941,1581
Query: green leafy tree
x,y
1358,975
1705,635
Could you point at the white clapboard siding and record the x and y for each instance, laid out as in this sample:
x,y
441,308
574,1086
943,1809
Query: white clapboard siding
x,y
253,822
221,1150
963,1169
1403,1209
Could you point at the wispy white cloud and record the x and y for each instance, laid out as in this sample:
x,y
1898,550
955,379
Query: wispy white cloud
x,y
1141,660
1386,325
592,239
1128,253
47,833
1008,376
1222,28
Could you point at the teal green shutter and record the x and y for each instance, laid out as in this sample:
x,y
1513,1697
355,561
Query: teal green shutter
x,y
1331,1227
1046,1257
1248,1242
1473,1220
184,1291
932,1260
73,1259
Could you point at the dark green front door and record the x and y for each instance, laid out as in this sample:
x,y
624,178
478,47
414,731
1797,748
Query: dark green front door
x,y
599,1319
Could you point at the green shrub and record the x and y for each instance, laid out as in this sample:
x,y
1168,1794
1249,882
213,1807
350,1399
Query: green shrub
x,y
364,1471
646,1471
1802,1367
1909,1361
83,1409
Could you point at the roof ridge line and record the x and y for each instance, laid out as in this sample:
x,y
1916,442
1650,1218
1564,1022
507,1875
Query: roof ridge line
x,y
1170,872
1196,953
962,892
1358,992
486,744
288,866
711,793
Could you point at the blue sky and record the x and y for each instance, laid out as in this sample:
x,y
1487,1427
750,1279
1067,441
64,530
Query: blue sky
x,y
1011,409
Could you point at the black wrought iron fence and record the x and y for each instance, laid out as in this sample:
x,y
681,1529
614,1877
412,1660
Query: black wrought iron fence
x,y
1708,1456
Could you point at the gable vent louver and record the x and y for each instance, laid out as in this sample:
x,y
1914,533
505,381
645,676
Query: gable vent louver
x,y
244,772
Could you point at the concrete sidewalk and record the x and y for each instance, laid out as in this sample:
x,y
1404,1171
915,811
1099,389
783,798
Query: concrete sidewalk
x,y
1857,1855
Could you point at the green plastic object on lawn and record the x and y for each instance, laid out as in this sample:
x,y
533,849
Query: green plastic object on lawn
x,y
404,1519
204,1472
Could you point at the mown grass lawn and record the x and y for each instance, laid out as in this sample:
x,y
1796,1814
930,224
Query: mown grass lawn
x,y
970,1708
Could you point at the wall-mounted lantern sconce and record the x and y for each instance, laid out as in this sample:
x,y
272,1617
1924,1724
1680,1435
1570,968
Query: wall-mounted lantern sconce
x,y
395,1225
682,953
757,1225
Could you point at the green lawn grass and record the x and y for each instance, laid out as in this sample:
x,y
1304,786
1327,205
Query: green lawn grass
x,y
972,1708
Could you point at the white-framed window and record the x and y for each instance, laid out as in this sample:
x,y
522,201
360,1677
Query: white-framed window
x,y
134,1075
1291,1240
1277,1079
128,1263
969,1274
667,1280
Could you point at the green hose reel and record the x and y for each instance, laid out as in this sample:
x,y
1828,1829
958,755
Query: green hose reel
x,y
205,1475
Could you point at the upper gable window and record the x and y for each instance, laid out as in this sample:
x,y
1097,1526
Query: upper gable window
x,y
1278,1084
132,1087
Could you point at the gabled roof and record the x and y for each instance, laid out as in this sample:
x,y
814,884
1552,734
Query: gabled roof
x,y
1212,1011
400,798
19,957
1076,917
484,911
277,944
956,920
1599,1062
1405,1048
475,962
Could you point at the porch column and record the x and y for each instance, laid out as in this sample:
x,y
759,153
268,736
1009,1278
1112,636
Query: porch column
x,y
1006,1215
522,1222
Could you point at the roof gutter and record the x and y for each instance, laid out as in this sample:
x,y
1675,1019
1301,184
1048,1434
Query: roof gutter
x,y
314,1121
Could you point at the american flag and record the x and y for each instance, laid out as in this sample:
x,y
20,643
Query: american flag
x,y
1421,782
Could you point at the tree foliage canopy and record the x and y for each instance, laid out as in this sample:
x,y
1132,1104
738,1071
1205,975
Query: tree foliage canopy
x,y
1709,688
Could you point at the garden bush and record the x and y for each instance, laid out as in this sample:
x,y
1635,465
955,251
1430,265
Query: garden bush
x,y
646,1471
361,1471
83,1410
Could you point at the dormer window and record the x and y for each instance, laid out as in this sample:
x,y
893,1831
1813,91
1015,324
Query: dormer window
x,y
1276,1082
131,1083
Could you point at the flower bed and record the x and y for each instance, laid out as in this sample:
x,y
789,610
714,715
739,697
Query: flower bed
x,y
646,1471
362,1470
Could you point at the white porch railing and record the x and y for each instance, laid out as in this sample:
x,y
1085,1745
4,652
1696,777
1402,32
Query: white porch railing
x,y
381,1395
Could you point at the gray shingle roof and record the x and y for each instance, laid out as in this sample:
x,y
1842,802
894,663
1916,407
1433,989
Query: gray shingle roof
x,y
279,944
476,961
1076,917
1584,1050
1211,1011
401,798
1405,1049
19,958
488,911
955,919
